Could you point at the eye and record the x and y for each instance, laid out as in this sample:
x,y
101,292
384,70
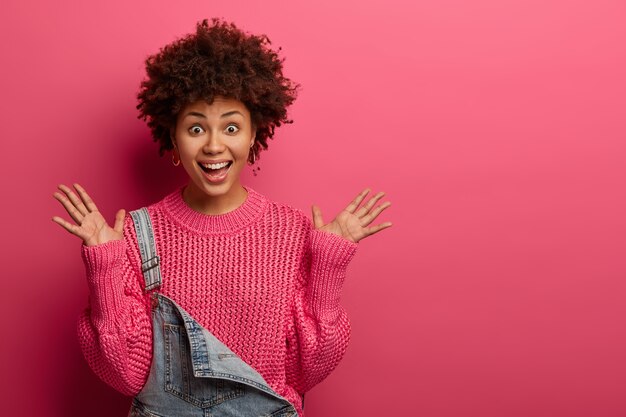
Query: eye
x,y
196,130
232,129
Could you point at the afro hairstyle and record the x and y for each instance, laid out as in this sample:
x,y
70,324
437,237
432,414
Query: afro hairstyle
x,y
218,60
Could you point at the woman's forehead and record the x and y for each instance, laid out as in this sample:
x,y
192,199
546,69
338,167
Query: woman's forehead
x,y
217,107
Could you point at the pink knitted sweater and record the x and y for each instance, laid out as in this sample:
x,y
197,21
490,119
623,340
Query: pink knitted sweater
x,y
261,278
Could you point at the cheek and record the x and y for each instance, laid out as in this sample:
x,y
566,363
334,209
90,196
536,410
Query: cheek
x,y
245,151
238,148
188,159
186,146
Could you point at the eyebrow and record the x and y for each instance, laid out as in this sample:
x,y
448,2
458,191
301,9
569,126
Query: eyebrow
x,y
230,113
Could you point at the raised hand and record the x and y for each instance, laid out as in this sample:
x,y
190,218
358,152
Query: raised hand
x,y
351,222
90,224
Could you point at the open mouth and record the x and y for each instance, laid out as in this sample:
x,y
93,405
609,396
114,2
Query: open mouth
x,y
216,171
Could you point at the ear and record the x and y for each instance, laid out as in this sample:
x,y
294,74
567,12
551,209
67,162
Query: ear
x,y
253,135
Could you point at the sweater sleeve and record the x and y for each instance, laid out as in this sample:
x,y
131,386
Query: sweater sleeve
x,y
319,332
115,330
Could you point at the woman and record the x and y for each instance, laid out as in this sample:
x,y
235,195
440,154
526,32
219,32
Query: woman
x,y
215,300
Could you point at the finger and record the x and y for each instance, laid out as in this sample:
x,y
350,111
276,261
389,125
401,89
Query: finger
x,y
318,221
368,206
119,221
77,202
365,220
72,228
375,229
91,206
355,203
69,207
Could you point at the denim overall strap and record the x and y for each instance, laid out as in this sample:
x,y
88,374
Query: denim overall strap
x,y
145,238
192,372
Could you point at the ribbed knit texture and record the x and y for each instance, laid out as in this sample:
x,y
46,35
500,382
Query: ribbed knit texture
x,y
261,278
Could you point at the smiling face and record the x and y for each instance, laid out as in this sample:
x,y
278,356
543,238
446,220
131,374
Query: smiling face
x,y
213,141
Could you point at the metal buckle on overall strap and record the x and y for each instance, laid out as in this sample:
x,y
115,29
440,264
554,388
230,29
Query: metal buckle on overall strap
x,y
151,263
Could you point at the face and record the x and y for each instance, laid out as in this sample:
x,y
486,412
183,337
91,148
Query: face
x,y
213,141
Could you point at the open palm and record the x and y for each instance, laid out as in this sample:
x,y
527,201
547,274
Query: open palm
x,y
351,223
90,224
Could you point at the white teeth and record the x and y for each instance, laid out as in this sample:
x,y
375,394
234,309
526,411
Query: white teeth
x,y
215,166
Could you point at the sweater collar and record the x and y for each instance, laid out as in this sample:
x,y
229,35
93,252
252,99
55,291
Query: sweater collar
x,y
244,215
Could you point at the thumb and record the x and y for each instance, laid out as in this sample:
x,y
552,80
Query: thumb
x,y
119,221
318,221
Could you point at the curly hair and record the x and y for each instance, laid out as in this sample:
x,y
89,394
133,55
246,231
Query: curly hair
x,y
218,60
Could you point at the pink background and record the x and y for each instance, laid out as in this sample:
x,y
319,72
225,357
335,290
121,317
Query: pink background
x,y
497,128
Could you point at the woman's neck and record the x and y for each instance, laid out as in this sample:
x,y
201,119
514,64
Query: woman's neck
x,y
204,203
251,210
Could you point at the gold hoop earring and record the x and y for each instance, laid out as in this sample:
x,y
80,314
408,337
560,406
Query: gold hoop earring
x,y
174,161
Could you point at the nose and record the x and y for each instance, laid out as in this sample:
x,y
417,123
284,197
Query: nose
x,y
213,144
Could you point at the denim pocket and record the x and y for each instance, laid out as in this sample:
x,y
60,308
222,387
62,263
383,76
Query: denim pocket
x,y
179,378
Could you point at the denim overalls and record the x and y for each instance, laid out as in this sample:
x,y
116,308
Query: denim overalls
x,y
192,372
